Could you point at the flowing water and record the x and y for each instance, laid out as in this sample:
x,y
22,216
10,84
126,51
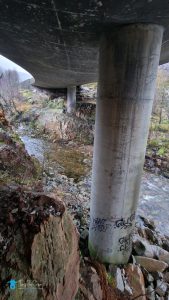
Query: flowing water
x,y
154,200
154,196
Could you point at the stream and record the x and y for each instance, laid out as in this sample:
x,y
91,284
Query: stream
x,y
154,195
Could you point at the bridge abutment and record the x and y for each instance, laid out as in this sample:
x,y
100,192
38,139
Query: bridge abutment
x,y
71,99
129,57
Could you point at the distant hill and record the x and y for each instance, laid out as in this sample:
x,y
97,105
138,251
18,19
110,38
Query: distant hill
x,y
26,83
24,76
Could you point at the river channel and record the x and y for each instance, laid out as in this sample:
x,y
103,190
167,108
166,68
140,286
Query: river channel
x,y
154,195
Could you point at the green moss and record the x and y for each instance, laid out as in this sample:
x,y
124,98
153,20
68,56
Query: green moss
x,y
72,162
93,252
95,255
110,280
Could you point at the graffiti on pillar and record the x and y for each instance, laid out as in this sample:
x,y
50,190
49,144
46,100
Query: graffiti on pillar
x,y
99,224
104,225
125,223
125,242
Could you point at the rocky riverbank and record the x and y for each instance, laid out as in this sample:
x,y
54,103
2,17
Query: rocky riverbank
x,y
146,276
40,251
67,172
96,280
40,246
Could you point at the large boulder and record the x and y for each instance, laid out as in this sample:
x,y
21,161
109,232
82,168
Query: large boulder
x,y
136,280
15,164
38,247
65,127
150,264
55,258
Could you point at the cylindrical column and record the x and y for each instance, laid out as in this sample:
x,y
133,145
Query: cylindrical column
x,y
128,62
71,99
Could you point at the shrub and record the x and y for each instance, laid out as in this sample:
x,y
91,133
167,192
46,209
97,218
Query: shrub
x,y
162,151
164,127
153,143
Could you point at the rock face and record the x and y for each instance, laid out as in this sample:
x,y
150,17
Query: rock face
x,y
150,264
3,121
118,279
38,247
161,288
146,275
15,163
64,127
136,281
55,258
90,284
143,247
164,257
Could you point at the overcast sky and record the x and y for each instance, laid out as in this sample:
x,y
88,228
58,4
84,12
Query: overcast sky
x,y
8,64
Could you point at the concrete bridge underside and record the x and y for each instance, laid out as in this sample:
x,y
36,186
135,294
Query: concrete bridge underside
x,y
59,43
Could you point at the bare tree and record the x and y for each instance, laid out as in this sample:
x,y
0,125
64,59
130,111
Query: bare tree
x,y
9,89
161,101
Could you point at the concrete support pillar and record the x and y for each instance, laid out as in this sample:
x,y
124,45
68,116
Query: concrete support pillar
x,y
71,99
129,58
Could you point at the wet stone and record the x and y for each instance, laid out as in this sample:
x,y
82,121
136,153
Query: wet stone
x,y
166,245
127,289
150,293
117,275
164,257
150,264
157,297
157,275
166,277
147,276
161,288
136,281
150,234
